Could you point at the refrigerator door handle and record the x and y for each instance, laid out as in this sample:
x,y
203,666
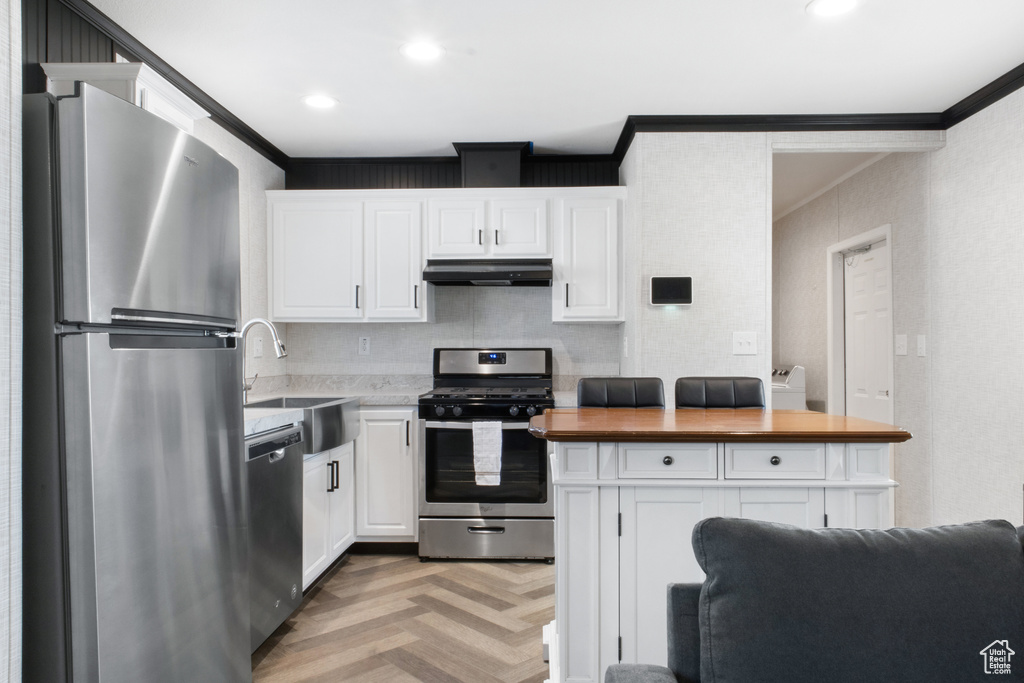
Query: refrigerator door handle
x,y
126,317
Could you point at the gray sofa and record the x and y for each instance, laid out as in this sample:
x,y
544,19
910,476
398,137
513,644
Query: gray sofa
x,y
790,605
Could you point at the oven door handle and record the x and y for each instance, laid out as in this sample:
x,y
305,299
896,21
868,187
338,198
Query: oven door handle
x,y
469,425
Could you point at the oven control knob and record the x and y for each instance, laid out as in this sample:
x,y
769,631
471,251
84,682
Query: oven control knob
x,y
513,411
439,411
531,410
456,411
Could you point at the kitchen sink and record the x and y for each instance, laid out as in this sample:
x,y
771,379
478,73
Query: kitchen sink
x,y
327,421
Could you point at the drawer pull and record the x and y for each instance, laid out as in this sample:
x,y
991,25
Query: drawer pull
x,y
775,460
667,460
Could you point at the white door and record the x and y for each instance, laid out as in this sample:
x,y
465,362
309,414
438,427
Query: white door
x,y
803,507
655,550
342,507
316,264
456,228
316,480
586,283
386,497
520,227
868,315
394,263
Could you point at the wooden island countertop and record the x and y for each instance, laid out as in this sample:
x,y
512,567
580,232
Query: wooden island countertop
x,y
725,425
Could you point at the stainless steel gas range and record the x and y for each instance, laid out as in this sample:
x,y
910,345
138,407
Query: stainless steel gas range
x,y
466,513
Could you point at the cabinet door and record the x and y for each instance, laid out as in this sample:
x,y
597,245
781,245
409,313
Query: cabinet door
x,y
342,501
455,228
394,263
519,227
804,507
655,551
586,264
315,260
316,480
386,495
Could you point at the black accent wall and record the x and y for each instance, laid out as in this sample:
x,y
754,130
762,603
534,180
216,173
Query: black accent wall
x,y
51,32
428,172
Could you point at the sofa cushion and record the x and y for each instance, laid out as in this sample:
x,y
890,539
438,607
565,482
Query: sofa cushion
x,y
786,604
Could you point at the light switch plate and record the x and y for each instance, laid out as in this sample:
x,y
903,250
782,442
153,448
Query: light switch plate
x,y
257,347
744,343
901,344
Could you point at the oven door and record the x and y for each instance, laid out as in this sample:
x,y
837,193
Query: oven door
x,y
448,485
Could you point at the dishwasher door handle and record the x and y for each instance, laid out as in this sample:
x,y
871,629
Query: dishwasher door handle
x,y
486,529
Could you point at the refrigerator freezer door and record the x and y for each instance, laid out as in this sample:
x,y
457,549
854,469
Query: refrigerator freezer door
x,y
149,216
157,510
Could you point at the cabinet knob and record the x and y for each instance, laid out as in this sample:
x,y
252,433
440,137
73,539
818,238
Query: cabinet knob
x,y
668,460
775,460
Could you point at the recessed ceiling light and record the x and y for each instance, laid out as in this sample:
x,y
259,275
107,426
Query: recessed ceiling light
x,y
422,51
319,101
830,8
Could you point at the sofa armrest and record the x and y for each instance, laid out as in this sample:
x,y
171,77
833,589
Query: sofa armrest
x,y
638,673
684,630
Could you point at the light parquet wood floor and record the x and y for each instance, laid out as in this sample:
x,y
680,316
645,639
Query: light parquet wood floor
x,y
393,618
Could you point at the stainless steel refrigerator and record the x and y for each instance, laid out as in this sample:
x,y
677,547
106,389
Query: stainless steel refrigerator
x,y
135,508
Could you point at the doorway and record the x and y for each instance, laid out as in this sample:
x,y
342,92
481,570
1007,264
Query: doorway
x,y
860,351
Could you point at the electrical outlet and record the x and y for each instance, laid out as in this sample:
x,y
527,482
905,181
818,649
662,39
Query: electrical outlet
x,y
920,345
364,346
257,347
625,346
901,344
744,343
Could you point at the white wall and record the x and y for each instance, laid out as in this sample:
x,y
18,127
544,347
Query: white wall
x,y
892,191
256,175
699,207
10,340
976,307
957,215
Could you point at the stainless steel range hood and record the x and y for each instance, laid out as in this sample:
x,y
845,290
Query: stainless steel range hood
x,y
493,273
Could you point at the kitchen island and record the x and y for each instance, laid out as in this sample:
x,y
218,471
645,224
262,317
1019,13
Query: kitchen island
x,y
630,484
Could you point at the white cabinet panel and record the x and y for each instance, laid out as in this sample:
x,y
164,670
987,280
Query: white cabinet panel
x,y
315,260
386,494
456,228
394,265
586,262
316,479
520,227
342,510
804,507
655,550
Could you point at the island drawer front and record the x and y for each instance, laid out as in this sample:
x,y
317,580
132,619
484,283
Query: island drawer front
x,y
668,460
775,461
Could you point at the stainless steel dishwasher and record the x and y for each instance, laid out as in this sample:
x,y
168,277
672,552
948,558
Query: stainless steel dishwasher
x,y
274,468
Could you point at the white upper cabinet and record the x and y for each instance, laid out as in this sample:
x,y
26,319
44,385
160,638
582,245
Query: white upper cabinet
x,y
315,260
494,228
520,227
587,261
394,266
456,228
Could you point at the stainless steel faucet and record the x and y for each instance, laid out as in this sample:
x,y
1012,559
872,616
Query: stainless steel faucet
x,y
278,349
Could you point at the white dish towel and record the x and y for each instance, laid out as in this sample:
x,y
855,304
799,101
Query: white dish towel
x,y
487,453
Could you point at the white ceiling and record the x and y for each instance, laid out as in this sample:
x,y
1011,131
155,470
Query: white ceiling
x,y
564,74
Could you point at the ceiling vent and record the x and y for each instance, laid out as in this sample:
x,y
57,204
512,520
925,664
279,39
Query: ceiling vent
x,y
492,164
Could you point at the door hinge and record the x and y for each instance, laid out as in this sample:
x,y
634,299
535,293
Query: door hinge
x,y
620,648
620,524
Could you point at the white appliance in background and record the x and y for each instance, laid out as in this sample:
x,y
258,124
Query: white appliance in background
x,y
789,388
134,480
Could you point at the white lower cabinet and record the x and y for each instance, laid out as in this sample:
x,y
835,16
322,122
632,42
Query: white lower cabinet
x,y
328,510
625,515
386,492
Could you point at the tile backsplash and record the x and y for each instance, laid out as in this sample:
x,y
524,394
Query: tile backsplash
x,y
401,354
